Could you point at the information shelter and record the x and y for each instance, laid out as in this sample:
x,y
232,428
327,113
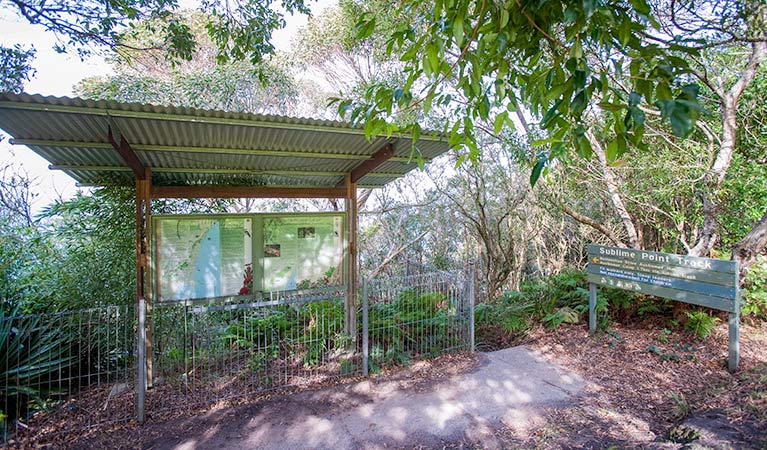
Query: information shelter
x,y
171,152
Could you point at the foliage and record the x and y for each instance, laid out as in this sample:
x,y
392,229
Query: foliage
x,y
700,323
755,290
240,29
93,238
31,350
328,47
677,352
15,67
200,82
557,299
413,323
498,56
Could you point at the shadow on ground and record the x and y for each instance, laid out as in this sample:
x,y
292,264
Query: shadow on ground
x,y
513,388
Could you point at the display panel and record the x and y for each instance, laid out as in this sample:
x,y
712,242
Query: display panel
x,y
199,258
215,256
301,252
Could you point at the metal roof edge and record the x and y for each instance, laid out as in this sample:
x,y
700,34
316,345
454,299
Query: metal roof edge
x,y
77,105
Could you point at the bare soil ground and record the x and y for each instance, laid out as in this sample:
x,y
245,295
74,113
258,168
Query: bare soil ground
x,y
649,388
654,388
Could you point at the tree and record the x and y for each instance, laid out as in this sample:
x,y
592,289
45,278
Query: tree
x,y
241,29
567,62
200,82
15,68
328,46
534,53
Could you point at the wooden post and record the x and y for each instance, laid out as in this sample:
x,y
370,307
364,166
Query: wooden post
x,y
733,342
143,281
733,335
141,376
472,294
351,275
592,308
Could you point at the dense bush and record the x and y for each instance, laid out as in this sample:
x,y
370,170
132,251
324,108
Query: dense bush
x,y
755,290
415,323
31,350
552,301
412,324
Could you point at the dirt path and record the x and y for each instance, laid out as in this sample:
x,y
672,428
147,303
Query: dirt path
x,y
645,388
510,387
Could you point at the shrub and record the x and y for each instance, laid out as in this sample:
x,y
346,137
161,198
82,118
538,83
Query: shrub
x,y
700,323
755,290
30,351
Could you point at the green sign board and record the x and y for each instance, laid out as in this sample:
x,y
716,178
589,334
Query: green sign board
x,y
700,281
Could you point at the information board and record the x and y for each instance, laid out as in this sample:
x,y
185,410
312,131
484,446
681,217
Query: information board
x,y
302,252
215,256
199,258
700,281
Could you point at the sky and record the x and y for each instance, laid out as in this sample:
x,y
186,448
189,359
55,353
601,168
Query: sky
x,y
58,73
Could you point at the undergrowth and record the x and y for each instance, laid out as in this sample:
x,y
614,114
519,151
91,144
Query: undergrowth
x,y
564,297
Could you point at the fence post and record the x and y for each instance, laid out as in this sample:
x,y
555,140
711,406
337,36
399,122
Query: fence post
x,y
472,297
365,329
141,364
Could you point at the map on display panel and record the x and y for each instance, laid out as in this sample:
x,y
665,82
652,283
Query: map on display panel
x,y
200,258
205,257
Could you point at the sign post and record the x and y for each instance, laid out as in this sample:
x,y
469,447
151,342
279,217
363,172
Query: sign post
x,y
708,282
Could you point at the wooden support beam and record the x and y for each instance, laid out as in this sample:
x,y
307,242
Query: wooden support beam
x,y
127,154
245,192
351,256
143,281
378,158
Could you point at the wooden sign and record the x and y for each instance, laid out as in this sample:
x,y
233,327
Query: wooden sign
x,y
700,281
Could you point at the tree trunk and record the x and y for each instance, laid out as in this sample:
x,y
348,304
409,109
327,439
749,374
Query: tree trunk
x,y
715,176
751,246
581,218
615,196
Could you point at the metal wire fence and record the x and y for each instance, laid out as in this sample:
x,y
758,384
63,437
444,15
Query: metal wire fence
x,y
79,360
417,316
205,352
83,364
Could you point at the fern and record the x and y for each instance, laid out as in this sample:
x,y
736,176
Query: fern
x,y
701,323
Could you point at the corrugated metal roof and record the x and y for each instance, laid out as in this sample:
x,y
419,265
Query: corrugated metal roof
x,y
192,146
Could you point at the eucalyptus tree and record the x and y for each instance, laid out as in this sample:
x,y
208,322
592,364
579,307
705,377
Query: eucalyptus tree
x,y
202,81
15,67
240,29
567,63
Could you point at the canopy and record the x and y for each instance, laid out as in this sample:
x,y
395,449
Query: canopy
x,y
107,142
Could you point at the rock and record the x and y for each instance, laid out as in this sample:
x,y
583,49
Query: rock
x,y
116,390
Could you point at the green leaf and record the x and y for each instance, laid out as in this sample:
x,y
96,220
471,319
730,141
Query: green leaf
x,y
678,115
500,121
458,29
582,144
638,116
571,15
589,6
538,168
612,151
578,105
366,26
504,19
641,6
